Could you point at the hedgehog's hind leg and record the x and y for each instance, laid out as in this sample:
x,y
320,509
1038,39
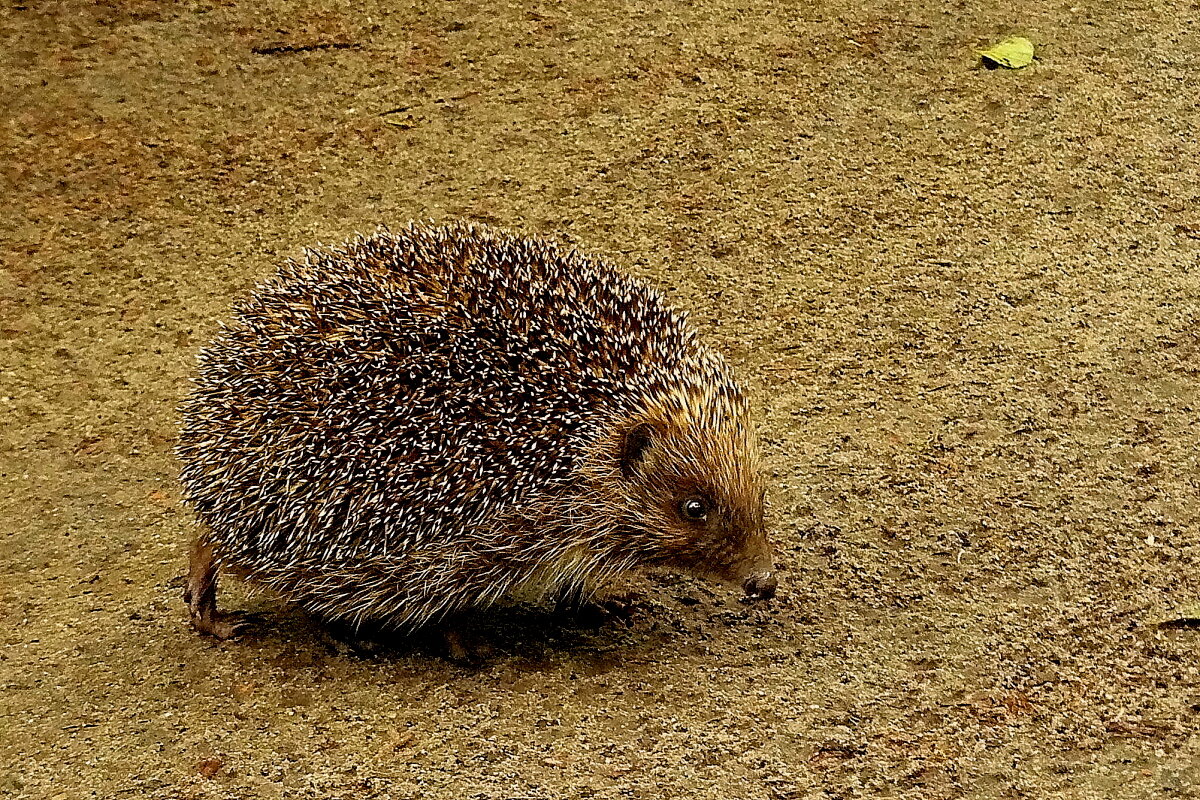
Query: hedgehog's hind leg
x,y
365,641
200,593
462,642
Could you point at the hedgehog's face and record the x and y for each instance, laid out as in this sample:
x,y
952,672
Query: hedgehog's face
x,y
693,489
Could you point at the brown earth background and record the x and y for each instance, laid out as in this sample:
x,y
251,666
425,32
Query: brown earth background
x,y
965,300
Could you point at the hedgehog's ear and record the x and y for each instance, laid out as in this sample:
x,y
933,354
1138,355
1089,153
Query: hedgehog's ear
x,y
634,447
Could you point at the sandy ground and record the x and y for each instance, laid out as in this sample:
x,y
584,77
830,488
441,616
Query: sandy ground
x,y
966,302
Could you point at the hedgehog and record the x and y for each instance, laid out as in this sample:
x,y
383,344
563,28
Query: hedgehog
x,y
426,422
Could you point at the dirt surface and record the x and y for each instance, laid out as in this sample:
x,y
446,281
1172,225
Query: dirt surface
x,y
966,302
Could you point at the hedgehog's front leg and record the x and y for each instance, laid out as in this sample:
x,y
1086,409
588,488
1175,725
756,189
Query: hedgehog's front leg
x,y
200,593
579,602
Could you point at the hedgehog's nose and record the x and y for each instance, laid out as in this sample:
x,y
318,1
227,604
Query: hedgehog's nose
x,y
761,586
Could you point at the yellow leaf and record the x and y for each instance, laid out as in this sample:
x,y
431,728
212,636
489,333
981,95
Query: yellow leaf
x,y
1014,52
1186,617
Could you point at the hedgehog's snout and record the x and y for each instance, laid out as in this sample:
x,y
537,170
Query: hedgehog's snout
x,y
761,585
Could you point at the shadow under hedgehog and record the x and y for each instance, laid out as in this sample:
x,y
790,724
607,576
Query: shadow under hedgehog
x,y
424,422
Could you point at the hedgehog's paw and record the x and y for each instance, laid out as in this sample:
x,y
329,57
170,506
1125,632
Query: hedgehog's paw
x,y
225,624
351,640
620,607
597,612
465,649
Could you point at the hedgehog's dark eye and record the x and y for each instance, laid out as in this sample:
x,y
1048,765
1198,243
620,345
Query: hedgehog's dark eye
x,y
694,508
